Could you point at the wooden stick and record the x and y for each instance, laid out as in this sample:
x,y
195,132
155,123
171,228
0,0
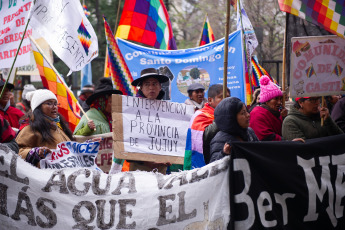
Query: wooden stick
x,y
322,105
284,58
57,74
226,45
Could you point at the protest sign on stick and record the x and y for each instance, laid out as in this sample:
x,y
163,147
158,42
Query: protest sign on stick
x,y
317,65
13,31
150,130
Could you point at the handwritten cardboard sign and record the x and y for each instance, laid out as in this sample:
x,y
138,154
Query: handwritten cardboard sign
x,y
71,154
317,66
150,130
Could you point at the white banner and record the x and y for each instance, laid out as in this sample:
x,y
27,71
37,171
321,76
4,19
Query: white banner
x,y
32,198
317,66
63,24
71,154
12,25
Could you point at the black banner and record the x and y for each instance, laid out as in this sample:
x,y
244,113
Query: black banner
x,y
288,185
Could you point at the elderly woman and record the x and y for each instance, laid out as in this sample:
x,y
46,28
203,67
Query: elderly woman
x,y
232,119
266,119
45,130
304,120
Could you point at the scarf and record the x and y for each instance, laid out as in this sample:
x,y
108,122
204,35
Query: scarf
x,y
274,112
56,121
100,104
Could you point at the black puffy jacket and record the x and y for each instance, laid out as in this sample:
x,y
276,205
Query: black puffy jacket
x,y
225,117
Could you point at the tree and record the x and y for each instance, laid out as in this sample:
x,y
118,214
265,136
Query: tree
x,y
195,73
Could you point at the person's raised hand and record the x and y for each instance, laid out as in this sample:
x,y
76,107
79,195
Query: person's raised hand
x,y
324,113
91,124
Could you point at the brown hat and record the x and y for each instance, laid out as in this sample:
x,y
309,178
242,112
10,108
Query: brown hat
x,y
147,73
104,87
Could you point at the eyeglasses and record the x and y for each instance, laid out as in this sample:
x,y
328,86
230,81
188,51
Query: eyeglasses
x,y
51,104
313,99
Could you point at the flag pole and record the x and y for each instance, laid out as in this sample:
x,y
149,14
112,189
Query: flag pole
x,y
284,58
322,105
249,58
202,29
57,74
226,45
15,58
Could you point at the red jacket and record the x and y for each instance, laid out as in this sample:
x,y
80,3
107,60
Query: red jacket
x,y
266,126
12,115
6,132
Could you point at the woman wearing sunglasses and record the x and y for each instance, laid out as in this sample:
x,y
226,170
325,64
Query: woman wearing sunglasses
x,y
45,130
304,120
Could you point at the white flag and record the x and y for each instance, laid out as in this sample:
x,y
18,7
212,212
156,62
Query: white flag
x,y
248,30
63,24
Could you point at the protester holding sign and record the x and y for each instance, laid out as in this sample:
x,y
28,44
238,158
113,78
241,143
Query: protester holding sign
x,y
232,119
266,119
11,114
149,87
46,127
304,120
100,110
100,116
196,93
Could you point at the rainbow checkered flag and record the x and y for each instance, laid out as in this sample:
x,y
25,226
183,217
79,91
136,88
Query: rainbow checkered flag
x,y
310,71
257,72
207,35
328,14
147,22
120,74
68,103
337,70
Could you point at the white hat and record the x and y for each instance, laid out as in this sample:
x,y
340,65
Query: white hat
x,y
27,88
39,96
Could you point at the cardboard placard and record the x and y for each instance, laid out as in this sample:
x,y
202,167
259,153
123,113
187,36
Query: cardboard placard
x,y
150,130
317,65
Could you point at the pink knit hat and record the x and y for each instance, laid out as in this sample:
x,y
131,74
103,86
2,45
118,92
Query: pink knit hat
x,y
268,90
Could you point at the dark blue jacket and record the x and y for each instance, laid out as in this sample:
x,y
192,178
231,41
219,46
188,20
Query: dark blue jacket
x,y
225,117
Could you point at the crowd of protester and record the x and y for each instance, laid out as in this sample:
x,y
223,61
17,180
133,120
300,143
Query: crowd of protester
x,y
33,126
